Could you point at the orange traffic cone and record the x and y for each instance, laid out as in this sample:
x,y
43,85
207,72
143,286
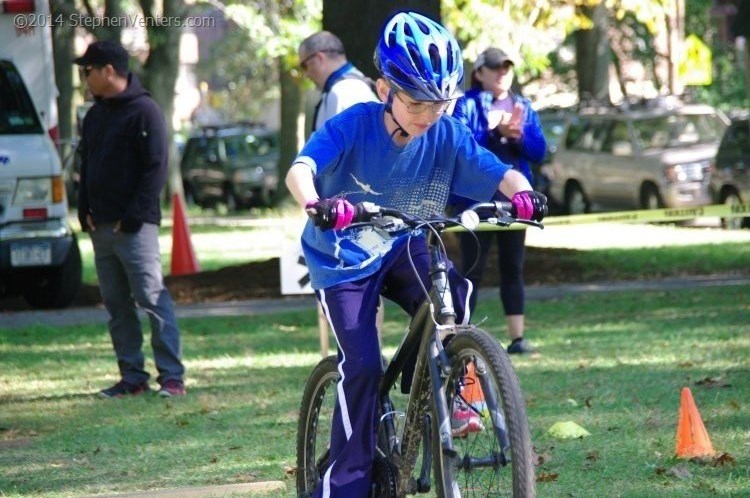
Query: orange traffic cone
x,y
184,261
692,438
472,391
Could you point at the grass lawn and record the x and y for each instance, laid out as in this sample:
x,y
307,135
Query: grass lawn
x,y
613,363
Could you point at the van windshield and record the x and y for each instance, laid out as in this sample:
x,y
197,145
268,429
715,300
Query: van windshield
x,y
678,130
17,113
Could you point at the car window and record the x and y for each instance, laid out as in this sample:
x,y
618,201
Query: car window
x,y
576,130
235,147
591,136
617,141
202,150
17,113
678,130
737,140
259,146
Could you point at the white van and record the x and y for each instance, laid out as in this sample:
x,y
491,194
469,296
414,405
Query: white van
x,y
39,256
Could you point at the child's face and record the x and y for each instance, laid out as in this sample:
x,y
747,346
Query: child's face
x,y
414,116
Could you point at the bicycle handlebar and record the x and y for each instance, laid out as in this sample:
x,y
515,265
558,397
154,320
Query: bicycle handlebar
x,y
496,212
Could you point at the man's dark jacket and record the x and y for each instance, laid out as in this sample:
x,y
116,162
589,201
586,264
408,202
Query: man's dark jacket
x,y
124,153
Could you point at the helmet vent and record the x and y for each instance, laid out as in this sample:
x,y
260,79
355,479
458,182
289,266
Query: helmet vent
x,y
435,57
423,27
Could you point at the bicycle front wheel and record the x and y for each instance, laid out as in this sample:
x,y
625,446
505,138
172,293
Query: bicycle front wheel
x,y
314,425
489,427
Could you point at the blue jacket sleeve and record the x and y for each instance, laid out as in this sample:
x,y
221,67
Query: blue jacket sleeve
x,y
533,145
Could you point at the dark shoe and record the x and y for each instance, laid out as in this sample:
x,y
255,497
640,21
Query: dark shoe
x,y
172,387
520,346
123,388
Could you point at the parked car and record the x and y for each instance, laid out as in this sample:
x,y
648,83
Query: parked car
x,y
235,165
637,157
39,255
553,122
730,181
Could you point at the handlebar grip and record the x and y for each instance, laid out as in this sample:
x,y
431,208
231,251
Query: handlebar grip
x,y
505,206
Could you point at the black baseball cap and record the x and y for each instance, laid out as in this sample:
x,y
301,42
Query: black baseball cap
x,y
101,53
493,58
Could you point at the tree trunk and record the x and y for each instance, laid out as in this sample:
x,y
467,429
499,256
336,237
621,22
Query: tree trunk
x,y
160,71
292,119
593,56
360,36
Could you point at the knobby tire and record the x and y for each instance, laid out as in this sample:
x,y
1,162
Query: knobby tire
x,y
515,479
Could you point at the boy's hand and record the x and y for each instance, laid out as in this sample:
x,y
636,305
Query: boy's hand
x,y
529,205
331,213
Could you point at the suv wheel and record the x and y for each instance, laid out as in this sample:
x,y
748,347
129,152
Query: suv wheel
x,y
650,198
575,200
735,223
59,286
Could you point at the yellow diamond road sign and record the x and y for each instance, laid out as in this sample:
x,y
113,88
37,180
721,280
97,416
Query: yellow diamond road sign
x,y
695,65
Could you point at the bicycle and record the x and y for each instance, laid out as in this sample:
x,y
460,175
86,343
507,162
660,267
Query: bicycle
x,y
471,464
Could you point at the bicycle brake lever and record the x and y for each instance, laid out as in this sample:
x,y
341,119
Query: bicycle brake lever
x,y
506,221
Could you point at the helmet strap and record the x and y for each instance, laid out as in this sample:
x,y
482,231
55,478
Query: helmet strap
x,y
389,110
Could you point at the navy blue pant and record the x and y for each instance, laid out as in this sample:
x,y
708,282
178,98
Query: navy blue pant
x,y
350,309
511,252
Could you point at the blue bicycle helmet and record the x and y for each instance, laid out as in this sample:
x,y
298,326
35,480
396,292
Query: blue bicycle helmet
x,y
420,57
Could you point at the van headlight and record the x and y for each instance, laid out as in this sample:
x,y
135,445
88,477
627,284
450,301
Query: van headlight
x,y
33,191
687,172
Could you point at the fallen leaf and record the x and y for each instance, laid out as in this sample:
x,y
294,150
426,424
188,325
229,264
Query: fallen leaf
x,y
588,401
546,477
541,458
290,471
593,455
723,459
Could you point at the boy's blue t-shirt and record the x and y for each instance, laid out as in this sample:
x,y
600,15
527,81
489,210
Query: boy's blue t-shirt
x,y
352,156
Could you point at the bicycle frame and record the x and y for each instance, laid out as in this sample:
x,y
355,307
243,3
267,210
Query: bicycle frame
x,y
431,368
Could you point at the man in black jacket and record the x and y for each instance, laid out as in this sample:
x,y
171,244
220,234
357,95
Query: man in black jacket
x,y
123,169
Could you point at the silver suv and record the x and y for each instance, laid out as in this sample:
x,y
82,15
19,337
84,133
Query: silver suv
x,y
639,157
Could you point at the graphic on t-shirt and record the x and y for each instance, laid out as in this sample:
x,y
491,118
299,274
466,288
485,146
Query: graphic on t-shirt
x,y
365,186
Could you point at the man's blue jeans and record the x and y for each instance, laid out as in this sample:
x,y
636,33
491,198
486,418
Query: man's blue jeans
x,y
129,269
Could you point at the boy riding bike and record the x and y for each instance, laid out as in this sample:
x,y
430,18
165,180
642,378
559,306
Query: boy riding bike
x,y
406,154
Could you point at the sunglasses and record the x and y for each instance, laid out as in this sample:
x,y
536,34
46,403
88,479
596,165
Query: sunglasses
x,y
437,107
303,62
86,70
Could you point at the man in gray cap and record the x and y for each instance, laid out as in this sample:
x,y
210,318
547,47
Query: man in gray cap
x,y
123,169
323,60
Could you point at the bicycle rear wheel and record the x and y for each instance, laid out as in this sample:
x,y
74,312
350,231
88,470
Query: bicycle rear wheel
x,y
314,425
490,430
